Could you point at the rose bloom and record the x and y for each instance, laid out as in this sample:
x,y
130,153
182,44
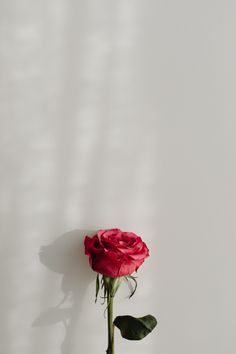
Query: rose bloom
x,y
115,253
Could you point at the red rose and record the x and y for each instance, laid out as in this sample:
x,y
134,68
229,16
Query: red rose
x,y
115,253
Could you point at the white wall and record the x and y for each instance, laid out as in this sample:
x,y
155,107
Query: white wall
x,y
117,113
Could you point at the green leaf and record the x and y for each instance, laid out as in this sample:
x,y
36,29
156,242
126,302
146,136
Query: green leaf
x,y
97,287
135,328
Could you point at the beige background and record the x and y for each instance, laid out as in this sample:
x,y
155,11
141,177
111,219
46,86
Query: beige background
x,y
117,113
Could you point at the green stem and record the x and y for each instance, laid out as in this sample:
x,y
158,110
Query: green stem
x,y
110,325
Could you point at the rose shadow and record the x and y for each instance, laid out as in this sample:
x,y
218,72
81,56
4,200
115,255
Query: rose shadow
x,y
66,256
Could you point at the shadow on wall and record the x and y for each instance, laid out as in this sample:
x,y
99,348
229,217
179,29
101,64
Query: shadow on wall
x,y
66,256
